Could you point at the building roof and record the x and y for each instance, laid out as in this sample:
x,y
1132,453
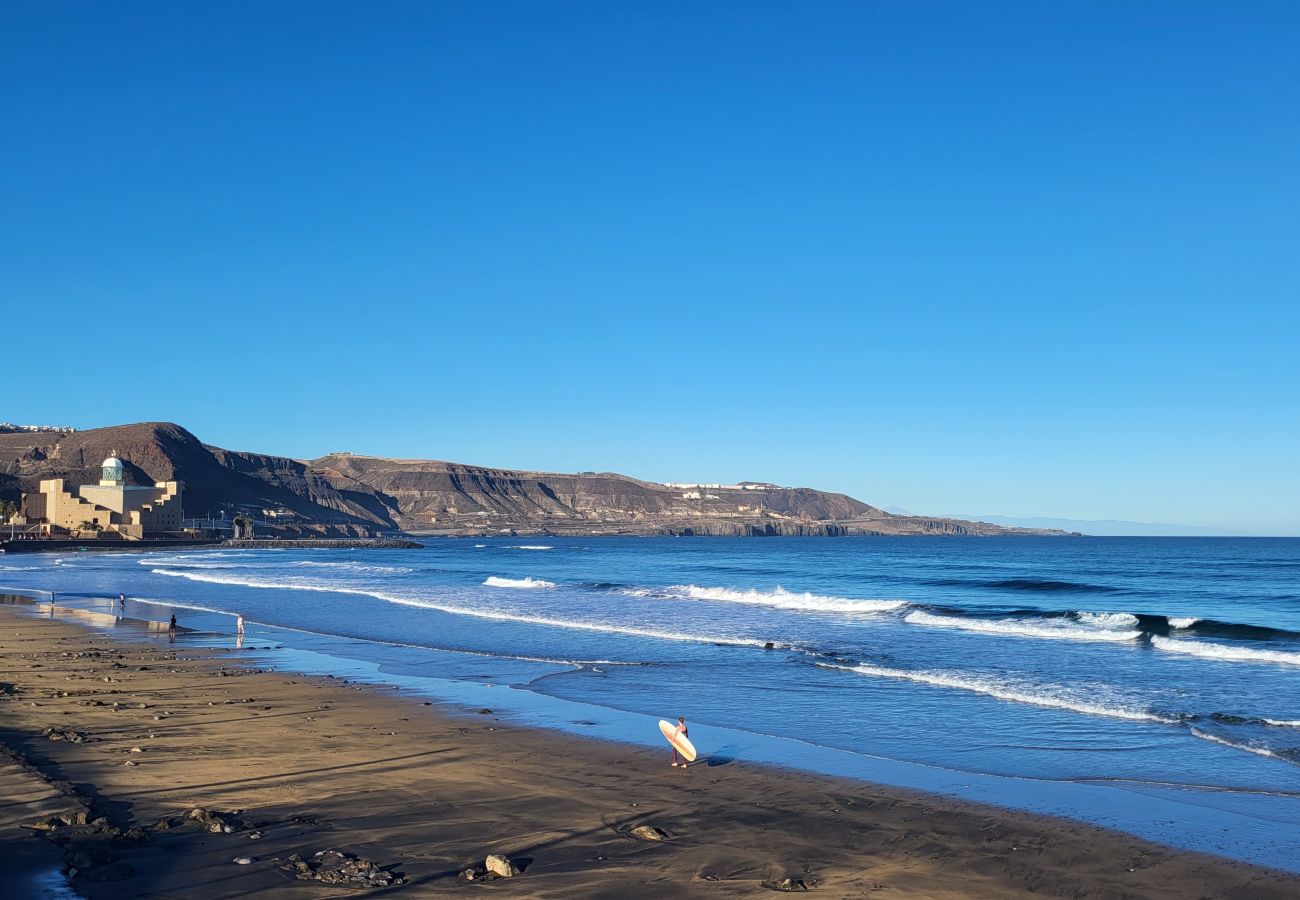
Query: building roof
x,y
111,463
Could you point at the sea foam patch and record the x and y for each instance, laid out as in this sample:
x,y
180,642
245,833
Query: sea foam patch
x,y
1052,629
780,598
522,583
1225,652
1048,696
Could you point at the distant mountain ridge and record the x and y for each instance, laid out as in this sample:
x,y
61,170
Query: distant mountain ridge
x,y
343,493
1102,527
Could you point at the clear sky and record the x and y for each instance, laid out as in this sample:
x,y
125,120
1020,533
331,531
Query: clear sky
x,y
1023,258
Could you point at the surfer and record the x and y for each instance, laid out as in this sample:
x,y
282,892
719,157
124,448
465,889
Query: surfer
x,y
681,729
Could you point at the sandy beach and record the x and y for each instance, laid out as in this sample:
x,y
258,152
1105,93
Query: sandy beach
x,y
282,765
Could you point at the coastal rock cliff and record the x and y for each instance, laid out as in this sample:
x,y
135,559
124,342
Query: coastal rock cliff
x,y
351,494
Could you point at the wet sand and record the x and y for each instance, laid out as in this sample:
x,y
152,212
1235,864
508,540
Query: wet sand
x,y
424,791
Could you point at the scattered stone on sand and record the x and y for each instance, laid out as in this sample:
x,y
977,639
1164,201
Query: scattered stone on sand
x,y
64,734
790,885
73,817
213,821
243,860
501,866
473,873
649,833
485,711
335,867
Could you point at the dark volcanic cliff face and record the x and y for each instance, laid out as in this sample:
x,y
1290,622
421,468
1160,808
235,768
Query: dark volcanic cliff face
x,y
213,479
428,495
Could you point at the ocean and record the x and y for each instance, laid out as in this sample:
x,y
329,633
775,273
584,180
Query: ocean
x,y
1147,684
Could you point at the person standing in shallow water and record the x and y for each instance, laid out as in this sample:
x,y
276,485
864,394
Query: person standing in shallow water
x,y
171,627
681,729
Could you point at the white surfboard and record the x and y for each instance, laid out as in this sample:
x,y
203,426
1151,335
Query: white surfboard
x,y
680,741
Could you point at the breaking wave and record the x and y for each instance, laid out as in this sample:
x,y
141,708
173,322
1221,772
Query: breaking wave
x,y
1182,621
1107,620
476,612
494,581
1055,629
1011,691
1225,652
783,599
1239,745
532,547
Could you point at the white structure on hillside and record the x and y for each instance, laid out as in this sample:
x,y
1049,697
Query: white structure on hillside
x,y
111,507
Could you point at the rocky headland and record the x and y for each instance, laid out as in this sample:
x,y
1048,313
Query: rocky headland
x,y
344,495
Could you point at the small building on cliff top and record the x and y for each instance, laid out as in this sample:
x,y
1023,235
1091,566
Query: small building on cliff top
x,y
111,507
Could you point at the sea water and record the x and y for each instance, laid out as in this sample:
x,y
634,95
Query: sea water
x,y
1168,667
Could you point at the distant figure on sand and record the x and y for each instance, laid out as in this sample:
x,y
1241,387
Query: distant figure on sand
x,y
171,627
681,729
239,624
121,600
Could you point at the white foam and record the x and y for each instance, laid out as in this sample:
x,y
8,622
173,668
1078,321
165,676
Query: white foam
x,y
532,547
494,581
1014,692
1108,619
1182,621
476,612
1249,748
1226,652
783,599
355,567
1283,723
1041,628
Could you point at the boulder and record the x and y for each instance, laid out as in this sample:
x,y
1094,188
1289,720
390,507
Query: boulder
x,y
214,822
501,866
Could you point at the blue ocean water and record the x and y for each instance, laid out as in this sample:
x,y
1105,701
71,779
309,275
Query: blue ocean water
x,y
1161,664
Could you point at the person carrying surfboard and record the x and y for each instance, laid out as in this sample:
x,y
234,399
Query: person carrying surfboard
x,y
679,730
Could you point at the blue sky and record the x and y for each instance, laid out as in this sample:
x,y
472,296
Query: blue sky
x,y
1021,258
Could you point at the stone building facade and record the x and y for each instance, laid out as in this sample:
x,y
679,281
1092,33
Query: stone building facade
x,y
118,509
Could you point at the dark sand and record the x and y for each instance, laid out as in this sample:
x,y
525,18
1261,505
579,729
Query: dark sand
x,y
316,763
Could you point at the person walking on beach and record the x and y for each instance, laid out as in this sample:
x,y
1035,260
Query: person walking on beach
x,y
121,600
681,729
239,624
171,627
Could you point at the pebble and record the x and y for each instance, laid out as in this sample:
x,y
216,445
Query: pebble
x,y
243,860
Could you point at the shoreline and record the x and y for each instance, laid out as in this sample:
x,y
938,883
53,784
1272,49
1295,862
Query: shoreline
x,y
429,790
